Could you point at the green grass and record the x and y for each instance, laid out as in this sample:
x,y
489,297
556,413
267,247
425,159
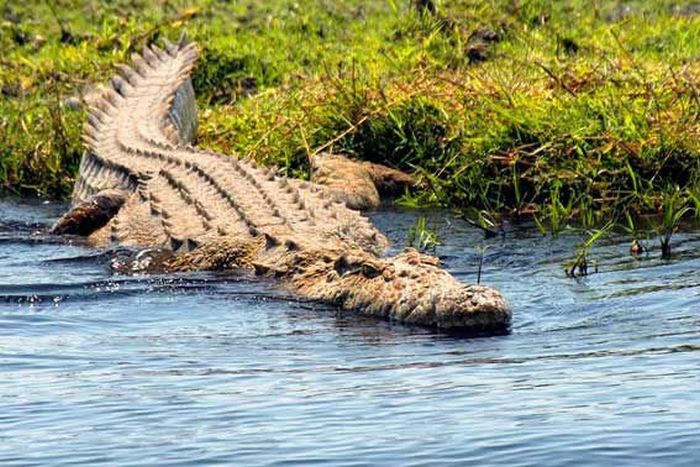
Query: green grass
x,y
574,112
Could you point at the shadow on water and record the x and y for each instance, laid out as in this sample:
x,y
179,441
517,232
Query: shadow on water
x,y
214,367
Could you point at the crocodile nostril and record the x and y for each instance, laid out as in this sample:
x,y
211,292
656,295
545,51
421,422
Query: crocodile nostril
x,y
342,265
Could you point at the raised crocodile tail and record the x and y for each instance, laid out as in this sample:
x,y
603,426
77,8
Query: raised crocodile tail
x,y
177,108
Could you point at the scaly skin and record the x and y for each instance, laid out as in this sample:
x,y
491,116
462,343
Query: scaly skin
x,y
142,184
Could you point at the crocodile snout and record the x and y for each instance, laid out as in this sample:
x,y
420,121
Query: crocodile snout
x,y
473,309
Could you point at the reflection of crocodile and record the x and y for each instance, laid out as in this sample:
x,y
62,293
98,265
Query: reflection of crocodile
x,y
142,184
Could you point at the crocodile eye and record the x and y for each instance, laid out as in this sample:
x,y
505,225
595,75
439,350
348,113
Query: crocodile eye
x,y
346,266
370,271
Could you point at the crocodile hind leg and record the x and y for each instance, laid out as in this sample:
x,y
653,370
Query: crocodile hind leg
x,y
90,215
359,184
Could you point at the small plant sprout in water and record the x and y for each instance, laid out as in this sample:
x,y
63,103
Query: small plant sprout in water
x,y
482,251
422,237
639,237
675,208
579,266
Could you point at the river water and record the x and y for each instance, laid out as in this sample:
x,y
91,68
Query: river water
x,y
215,368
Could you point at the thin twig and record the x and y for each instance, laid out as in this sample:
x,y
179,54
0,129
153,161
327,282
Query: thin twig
x,y
341,135
306,143
61,25
274,127
481,264
557,79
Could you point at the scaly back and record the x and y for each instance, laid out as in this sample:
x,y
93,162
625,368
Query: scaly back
x,y
137,139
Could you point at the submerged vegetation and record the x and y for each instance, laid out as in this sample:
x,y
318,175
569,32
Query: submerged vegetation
x,y
571,113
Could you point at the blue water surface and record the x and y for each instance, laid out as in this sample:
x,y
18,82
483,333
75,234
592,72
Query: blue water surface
x,y
207,368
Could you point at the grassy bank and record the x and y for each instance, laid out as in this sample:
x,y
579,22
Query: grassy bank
x,y
572,112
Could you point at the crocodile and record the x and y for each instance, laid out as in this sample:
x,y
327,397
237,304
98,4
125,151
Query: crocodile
x,y
143,184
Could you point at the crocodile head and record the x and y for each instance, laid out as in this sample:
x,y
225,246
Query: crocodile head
x,y
409,287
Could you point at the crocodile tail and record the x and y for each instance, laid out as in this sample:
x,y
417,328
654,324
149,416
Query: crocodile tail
x,y
178,111
180,121
182,116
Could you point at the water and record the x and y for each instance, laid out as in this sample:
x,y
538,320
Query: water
x,y
214,368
